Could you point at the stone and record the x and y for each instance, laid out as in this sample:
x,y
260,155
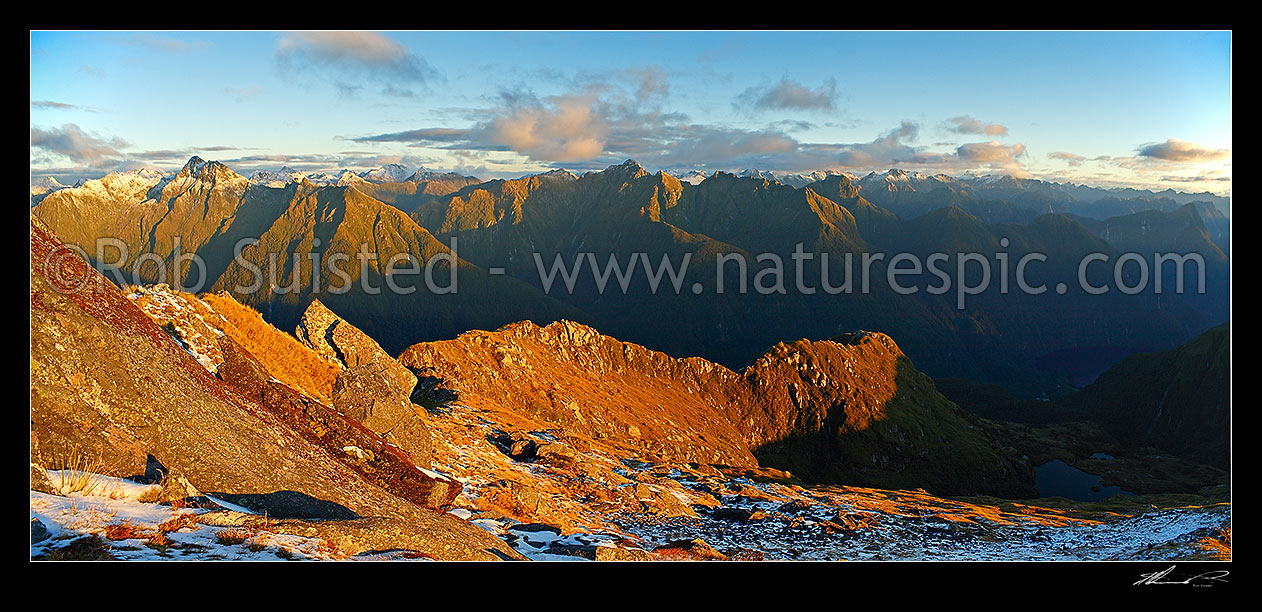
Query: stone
x,y
40,481
688,550
240,369
371,396
39,532
614,553
329,335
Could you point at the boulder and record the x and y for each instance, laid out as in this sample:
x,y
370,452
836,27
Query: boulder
x,y
437,537
614,553
371,395
40,481
240,369
688,550
39,532
331,336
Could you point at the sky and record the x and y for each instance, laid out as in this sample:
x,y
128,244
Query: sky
x,y
1142,109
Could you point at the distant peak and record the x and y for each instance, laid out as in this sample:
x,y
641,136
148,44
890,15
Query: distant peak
x,y
193,165
629,168
201,169
389,173
561,173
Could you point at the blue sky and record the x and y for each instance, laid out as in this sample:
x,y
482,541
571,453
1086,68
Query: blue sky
x,y
1147,109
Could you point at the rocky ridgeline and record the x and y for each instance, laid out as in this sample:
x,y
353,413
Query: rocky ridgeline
x,y
852,409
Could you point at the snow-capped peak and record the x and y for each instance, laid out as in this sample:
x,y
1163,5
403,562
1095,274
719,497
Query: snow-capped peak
x,y
45,185
389,173
277,178
693,177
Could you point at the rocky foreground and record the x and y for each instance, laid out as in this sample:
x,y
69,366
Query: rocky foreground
x,y
166,425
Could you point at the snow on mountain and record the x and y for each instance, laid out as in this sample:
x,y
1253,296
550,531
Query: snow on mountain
x,y
560,173
389,173
45,185
793,179
133,184
897,179
276,178
347,177
694,177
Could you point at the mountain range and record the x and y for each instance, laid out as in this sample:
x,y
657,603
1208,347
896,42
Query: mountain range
x,y
1020,341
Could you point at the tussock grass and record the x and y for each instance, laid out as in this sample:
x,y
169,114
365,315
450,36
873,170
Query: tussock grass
x,y
78,474
283,355
232,537
125,531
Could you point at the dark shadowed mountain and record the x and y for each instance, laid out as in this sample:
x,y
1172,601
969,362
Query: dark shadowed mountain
x,y
1178,400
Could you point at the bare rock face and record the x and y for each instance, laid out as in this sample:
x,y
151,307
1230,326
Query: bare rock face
x,y
330,335
370,395
241,370
569,374
315,330
111,386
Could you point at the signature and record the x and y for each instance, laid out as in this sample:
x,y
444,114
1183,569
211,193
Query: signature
x,y
1202,579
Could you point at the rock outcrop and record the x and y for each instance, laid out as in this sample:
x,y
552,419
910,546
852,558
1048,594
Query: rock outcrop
x,y
850,410
374,389
350,438
331,336
370,394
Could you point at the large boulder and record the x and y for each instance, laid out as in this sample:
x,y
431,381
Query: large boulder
x,y
370,394
331,336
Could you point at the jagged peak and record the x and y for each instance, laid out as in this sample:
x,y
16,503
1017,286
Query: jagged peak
x,y
559,173
630,168
198,168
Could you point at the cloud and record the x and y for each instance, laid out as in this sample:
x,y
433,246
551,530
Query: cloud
x,y
990,152
71,142
994,156
888,149
51,105
708,145
397,92
1069,158
354,56
789,95
1182,151
608,117
651,82
567,128
965,124
426,135
791,125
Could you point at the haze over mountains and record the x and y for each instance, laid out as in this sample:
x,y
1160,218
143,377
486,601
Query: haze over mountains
x,y
1020,341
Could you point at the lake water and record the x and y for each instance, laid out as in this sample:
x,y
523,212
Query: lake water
x,y
1059,479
